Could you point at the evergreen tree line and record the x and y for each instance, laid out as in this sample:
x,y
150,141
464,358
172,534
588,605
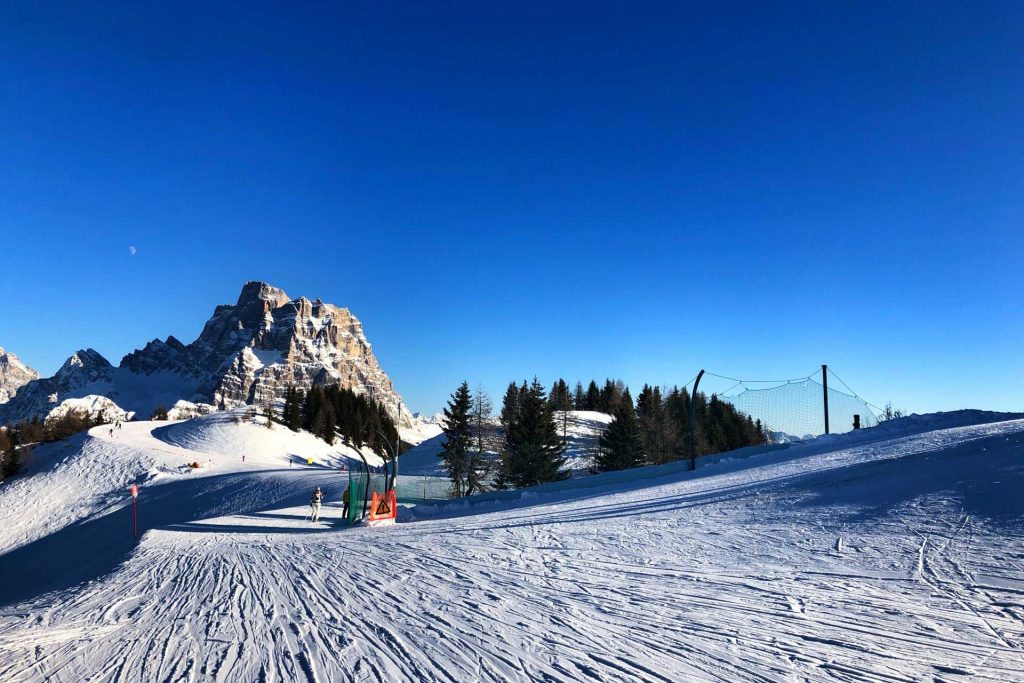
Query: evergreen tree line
x,y
530,449
657,429
526,452
10,462
331,412
603,399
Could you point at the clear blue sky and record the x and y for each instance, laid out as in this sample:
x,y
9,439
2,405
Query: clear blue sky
x,y
626,190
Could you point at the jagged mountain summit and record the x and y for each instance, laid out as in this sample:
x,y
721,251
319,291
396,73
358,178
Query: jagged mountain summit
x,y
13,375
248,352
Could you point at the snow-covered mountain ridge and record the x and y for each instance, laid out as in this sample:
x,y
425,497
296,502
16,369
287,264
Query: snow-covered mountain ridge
x,y
247,353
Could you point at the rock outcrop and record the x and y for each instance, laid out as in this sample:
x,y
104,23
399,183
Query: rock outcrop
x,y
13,375
249,352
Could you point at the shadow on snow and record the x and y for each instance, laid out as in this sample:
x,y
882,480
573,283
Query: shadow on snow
x,y
92,548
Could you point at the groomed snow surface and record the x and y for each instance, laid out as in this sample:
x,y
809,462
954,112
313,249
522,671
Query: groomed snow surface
x,y
890,554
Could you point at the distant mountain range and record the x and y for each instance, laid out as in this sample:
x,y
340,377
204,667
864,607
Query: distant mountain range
x,y
247,353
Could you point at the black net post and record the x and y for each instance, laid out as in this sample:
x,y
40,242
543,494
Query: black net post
x,y
693,422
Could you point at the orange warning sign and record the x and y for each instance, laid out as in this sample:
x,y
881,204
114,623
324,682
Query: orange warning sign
x,y
383,507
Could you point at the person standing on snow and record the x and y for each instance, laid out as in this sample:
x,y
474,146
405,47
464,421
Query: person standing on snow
x,y
314,504
344,501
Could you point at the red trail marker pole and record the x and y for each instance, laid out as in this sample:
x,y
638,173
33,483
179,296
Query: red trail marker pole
x,y
135,510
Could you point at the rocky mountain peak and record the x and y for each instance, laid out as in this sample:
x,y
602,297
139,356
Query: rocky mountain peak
x,y
13,375
249,352
87,359
261,295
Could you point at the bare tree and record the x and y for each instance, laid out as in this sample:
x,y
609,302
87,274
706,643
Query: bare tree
x,y
268,413
890,413
485,443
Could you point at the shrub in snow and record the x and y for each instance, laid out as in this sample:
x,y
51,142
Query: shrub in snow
x,y
68,424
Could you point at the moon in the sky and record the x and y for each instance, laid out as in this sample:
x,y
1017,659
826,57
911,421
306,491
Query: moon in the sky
x,y
131,250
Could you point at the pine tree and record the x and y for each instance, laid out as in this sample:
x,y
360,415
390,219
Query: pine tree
x,y
592,401
457,439
328,426
533,450
621,445
559,397
578,400
657,428
610,396
7,454
293,409
510,406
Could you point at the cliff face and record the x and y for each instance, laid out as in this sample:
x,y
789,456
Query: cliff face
x,y
248,352
13,375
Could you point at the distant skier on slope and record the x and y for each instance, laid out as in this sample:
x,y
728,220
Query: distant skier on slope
x,y
344,501
314,504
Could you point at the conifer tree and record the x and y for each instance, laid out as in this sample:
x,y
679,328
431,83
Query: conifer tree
x,y
578,400
533,451
657,428
510,406
293,409
592,401
610,396
457,439
559,397
7,454
621,446
329,427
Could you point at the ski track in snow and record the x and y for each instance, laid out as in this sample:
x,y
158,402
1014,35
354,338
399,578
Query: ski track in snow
x,y
732,575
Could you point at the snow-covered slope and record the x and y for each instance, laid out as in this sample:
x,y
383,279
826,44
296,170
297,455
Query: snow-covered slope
x,y
417,430
70,480
892,554
231,435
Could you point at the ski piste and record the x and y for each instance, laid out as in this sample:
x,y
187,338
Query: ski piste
x,y
894,553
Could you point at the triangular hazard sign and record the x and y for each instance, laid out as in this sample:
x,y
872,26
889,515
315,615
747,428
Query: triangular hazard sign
x,y
383,508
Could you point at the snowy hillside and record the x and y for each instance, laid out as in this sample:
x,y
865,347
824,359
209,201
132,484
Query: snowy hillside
x,y
582,430
894,553
96,407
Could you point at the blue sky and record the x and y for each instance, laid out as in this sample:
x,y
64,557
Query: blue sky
x,y
587,190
